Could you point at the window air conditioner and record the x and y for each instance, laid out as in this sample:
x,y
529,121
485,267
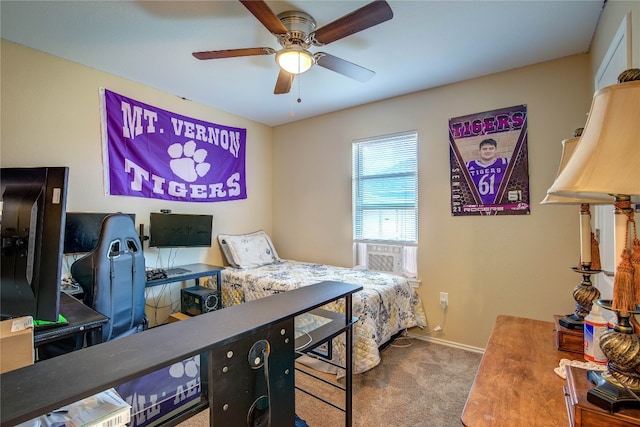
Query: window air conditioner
x,y
387,258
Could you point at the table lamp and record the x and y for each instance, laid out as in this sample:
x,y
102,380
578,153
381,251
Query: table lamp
x,y
605,166
584,293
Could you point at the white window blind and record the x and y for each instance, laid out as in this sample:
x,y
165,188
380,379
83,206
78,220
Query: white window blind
x,y
385,188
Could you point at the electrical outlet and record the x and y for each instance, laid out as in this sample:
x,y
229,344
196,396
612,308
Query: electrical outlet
x,y
444,300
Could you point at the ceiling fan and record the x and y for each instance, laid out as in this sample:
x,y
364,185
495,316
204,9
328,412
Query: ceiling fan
x,y
296,32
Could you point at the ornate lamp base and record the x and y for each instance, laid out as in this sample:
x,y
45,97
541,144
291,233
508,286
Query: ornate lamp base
x,y
584,294
608,396
620,384
572,321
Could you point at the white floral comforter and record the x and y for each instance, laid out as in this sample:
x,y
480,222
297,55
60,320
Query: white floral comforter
x,y
386,305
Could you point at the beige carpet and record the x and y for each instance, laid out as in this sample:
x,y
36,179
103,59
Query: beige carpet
x,y
417,384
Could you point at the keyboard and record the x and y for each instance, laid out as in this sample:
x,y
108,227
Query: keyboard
x,y
156,273
162,273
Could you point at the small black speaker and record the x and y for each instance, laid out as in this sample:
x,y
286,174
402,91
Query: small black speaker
x,y
198,299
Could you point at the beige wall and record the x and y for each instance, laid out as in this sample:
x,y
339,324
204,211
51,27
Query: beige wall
x,y
489,265
51,117
614,13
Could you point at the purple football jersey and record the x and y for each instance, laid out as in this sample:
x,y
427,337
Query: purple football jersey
x,y
488,178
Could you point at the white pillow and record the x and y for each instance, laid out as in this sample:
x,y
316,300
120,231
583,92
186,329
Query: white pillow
x,y
248,250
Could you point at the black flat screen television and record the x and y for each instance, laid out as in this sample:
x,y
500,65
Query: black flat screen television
x,y
82,231
180,230
32,226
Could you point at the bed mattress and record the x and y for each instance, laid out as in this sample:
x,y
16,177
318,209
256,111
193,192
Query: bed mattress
x,y
386,305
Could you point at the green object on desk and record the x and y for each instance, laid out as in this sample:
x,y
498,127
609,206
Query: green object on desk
x,y
61,321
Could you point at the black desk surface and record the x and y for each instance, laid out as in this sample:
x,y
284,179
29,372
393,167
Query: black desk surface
x,y
195,271
34,390
80,317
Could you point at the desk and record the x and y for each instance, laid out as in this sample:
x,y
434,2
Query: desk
x,y
515,384
196,271
35,390
81,318
318,327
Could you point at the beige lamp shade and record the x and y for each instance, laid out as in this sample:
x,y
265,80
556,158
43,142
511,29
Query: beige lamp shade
x,y
568,147
606,162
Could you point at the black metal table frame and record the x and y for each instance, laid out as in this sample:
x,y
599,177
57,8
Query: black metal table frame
x,y
196,271
338,324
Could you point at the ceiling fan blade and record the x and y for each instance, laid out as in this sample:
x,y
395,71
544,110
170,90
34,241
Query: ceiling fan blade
x,y
261,11
284,82
232,53
367,16
343,67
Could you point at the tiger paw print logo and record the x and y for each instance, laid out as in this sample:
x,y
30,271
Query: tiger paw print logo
x,y
187,368
187,162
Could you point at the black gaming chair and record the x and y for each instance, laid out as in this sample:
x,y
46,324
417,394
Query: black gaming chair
x,y
113,277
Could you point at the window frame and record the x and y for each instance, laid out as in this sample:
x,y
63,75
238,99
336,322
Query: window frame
x,y
404,233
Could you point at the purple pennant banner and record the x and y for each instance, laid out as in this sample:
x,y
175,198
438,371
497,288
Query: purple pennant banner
x,y
153,153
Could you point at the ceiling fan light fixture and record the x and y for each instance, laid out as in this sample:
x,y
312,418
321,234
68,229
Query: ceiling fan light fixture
x,y
294,60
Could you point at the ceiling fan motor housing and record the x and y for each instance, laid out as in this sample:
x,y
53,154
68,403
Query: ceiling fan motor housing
x,y
300,25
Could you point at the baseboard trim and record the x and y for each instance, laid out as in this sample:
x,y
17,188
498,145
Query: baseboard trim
x,y
447,343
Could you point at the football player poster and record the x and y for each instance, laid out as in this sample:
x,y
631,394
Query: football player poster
x,y
489,163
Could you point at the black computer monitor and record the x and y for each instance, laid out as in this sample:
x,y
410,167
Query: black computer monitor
x,y
82,231
32,226
168,230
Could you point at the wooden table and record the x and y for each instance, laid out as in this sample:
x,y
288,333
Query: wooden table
x,y
515,384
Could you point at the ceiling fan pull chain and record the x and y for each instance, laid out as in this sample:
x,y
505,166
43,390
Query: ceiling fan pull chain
x,y
298,100
291,114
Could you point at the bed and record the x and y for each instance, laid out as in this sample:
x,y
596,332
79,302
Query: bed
x,y
387,305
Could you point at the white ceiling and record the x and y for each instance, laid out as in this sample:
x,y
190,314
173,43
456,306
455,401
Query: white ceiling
x,y
426,44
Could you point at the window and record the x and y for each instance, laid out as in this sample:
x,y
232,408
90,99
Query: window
x,y
385,188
